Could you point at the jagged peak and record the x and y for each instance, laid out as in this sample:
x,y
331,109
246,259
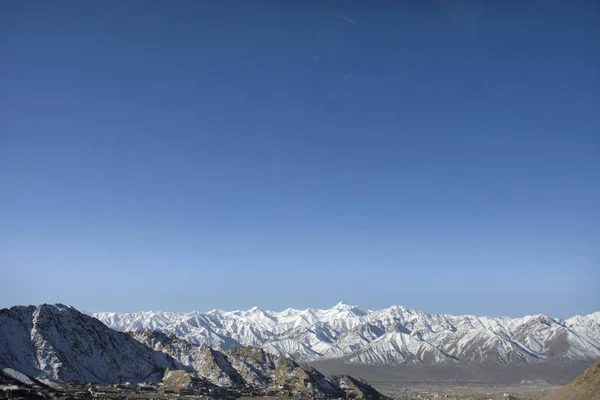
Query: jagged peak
x,y
341,305
354,311
56,306
288,311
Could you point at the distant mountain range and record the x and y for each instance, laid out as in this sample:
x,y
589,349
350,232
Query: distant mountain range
x,y
396,335
59,343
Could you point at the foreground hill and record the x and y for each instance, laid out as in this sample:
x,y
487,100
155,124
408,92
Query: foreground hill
x,y
584,387
58,342
396,335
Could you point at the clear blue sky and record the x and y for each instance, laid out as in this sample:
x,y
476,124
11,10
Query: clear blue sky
x,y
193,155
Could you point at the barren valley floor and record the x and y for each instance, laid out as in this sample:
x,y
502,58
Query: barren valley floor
x,y
522,382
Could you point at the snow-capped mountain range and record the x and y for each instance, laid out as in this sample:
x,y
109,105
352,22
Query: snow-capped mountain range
x,y
396,335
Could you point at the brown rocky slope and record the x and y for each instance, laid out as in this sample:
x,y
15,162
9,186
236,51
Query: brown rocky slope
x,y
585,387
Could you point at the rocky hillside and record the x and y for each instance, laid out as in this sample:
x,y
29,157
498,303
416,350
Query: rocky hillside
x,y
179,381
254,369
396,335
58,342
207,363
584,387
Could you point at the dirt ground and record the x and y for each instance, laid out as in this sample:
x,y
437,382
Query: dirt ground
x,y
522,382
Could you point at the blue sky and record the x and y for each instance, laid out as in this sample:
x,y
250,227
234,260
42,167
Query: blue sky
x,y
195,155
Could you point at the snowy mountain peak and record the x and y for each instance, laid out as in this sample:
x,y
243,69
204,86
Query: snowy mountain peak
x,y
288,312
341,306
591,321
346,310
58,307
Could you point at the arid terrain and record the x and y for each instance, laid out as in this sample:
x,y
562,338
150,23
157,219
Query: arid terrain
x,y
524,382
467,391
585,387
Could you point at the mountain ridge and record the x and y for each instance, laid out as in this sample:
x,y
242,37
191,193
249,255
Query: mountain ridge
x,y
394,335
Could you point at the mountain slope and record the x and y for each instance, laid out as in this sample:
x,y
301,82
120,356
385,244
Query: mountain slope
x,y
396,335
60,343
584,387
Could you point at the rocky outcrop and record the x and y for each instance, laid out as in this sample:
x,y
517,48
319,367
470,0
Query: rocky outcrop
x,y
356,388
254,364
205,362
182,381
